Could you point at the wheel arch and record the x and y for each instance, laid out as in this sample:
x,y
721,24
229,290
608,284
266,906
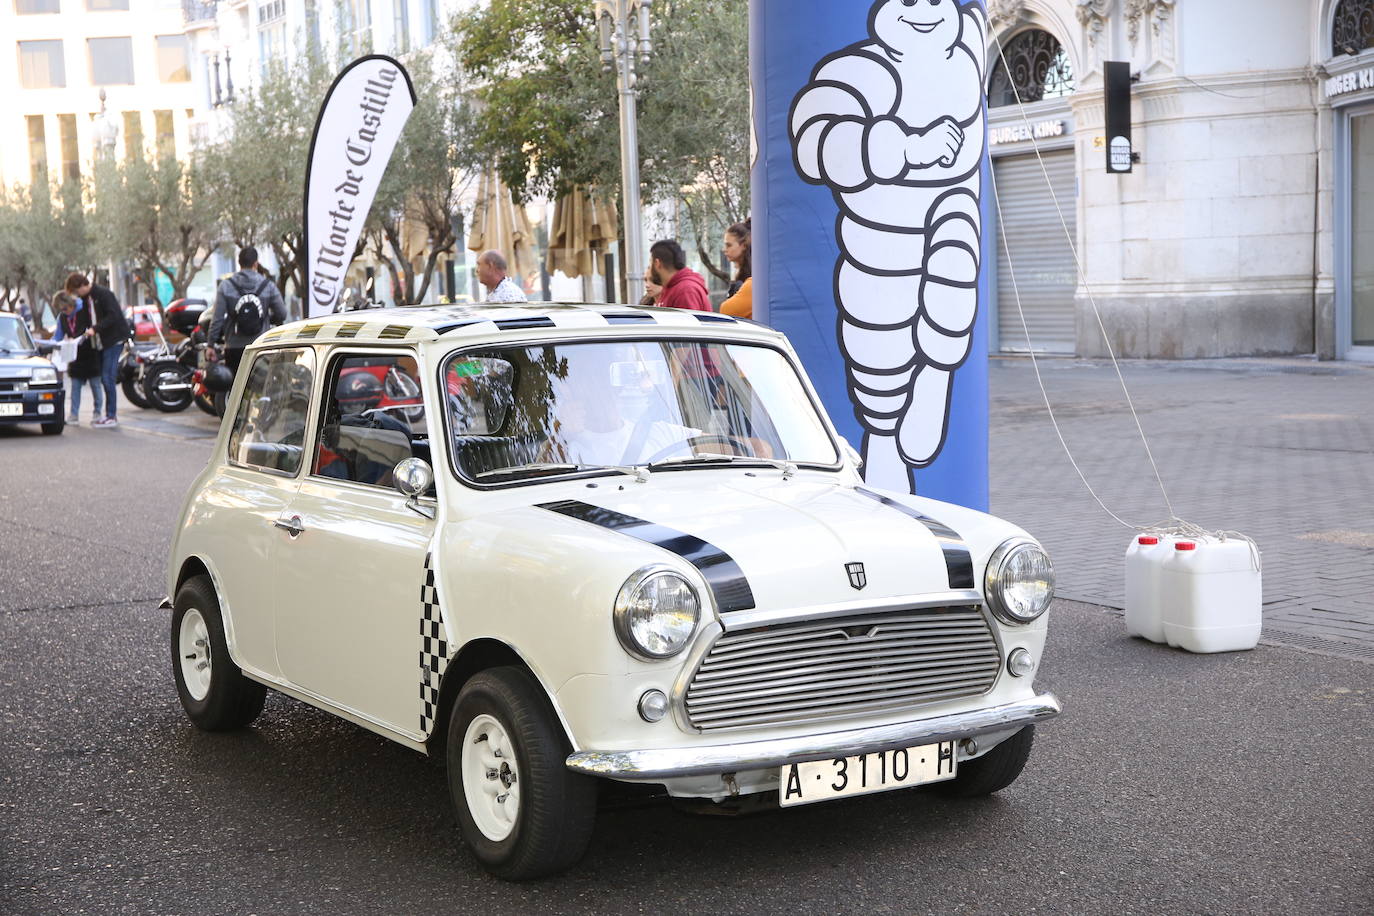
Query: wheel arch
x,y
473,658
191,567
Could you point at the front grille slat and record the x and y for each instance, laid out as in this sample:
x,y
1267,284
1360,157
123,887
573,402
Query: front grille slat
x,y
841,667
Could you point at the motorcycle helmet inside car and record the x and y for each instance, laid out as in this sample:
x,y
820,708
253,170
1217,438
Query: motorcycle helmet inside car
x,y
219,377
357,390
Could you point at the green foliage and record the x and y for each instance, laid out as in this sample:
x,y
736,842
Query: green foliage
x,y
158,215
549,116
44,236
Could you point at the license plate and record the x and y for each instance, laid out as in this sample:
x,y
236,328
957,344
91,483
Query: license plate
x,y
11,410
840,777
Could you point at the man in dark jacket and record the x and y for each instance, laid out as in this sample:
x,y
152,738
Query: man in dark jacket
x,y
246,305
112,328
683,288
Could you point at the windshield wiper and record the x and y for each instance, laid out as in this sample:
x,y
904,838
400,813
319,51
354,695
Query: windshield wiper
x,y
787,467
640,474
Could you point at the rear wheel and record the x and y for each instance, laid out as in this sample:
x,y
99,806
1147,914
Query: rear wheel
x,y
167,386
205,400
523,813
995,770
214,691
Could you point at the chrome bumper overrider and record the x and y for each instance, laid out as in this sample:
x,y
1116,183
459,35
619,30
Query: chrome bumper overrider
x,y
664,763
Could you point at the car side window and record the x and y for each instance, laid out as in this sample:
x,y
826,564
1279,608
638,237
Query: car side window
x,y
269,427
373,417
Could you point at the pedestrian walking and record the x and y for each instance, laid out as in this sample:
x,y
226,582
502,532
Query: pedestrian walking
x,y
246,305
683,288
491,273
739,251
74,326
110,334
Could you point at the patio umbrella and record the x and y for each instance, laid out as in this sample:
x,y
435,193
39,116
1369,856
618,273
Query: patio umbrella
x,y
583,226
498,223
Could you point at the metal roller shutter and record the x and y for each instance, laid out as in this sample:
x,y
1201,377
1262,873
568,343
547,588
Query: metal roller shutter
x,y
1045,271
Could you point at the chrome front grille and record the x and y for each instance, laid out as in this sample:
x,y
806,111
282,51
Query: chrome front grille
x,y
846,666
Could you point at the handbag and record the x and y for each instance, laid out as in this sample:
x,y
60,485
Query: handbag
x,y
96,343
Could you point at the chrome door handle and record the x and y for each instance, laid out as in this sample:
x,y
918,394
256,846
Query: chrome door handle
x,y
291,526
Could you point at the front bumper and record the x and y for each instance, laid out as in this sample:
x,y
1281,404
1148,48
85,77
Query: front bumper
x,y
667,763
38,405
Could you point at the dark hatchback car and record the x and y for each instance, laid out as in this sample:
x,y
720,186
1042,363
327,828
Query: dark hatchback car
x,y
30,389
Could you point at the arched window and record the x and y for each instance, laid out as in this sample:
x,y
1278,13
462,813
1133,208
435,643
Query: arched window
x,y
1352,27
1036,68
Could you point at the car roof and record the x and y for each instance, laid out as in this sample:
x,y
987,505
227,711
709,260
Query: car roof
x,y
432,322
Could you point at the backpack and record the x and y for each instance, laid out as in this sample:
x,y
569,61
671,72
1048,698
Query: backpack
x,y
248,315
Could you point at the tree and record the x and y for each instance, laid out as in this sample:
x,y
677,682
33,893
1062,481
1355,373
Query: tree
x,y
44,236
159,215
417,204
257,170
549,116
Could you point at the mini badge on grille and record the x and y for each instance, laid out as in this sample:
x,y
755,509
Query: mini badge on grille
x,y
857,577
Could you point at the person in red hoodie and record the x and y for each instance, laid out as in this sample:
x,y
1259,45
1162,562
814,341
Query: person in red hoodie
x,y
683,288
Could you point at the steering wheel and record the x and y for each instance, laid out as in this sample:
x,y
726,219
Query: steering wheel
x,y
735,443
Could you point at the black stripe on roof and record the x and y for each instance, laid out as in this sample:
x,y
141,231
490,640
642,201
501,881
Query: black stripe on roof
x,y
349,329
722,573
631,318
394,332
708,317
309,331
516,324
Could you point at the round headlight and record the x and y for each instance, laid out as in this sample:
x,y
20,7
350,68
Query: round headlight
x,y
656,613
1019,581
43,376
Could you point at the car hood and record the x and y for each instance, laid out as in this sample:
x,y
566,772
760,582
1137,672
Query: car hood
x,y
21,364
768,543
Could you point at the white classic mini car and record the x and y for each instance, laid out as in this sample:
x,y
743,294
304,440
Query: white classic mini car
x,y
554,543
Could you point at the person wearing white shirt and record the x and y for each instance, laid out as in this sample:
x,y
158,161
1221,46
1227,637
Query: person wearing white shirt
x,y
491,273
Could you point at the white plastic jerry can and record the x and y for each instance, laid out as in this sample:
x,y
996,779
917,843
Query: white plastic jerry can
x,y
1211,595
1144,569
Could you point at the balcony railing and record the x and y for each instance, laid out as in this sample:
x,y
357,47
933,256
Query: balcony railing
x,y
193,11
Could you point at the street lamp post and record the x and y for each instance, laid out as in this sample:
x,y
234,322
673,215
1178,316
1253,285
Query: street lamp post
x,y
623,27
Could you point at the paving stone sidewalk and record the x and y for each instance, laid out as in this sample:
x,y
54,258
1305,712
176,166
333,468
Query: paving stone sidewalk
x,y
1280,449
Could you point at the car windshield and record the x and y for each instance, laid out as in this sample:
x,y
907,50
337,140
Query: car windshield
x,y
13,334
517,412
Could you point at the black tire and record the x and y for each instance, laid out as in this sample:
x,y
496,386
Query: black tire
x,y
994,771
167,370
231,700
206,402
54,428
132,392
557,807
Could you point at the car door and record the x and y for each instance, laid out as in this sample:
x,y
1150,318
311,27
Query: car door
x,y
352,636
249,495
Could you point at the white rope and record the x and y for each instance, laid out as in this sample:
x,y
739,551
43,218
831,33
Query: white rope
x,y
1173,526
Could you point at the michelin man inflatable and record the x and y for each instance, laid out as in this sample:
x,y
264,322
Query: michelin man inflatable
x,y
895,126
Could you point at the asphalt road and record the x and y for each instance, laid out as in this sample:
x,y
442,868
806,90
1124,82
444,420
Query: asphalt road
x,y
1173,783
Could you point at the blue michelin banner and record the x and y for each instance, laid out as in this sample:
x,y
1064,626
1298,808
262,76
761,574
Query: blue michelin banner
x,y
871,191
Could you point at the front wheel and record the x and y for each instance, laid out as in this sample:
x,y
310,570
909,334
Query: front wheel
x,y
522,812
54,428
213,690
995,770
205,400
167,386
133,392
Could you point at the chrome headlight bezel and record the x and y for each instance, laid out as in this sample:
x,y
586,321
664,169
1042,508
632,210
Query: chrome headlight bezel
x,y
43,375
624,612
996,581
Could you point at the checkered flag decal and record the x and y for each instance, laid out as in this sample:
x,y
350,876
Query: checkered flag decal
x,y
433,648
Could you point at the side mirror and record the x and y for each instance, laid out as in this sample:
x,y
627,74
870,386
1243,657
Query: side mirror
x,y
854,457
413,477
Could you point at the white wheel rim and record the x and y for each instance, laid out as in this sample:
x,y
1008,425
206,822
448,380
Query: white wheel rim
x,y
193,651
491,782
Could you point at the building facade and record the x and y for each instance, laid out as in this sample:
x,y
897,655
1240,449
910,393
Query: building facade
x,y
1244,228
58,56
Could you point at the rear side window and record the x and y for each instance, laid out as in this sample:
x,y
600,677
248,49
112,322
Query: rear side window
x,y
269,427
373,417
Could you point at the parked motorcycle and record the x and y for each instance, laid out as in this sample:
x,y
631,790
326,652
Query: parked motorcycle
x,y
169,382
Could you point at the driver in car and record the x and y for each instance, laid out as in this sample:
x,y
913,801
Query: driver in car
x,y
589,427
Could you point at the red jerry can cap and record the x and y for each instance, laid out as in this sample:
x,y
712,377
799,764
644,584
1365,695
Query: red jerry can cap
x,y
1147,539
1185,545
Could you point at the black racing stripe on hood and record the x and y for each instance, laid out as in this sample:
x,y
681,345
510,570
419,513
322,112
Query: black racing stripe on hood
x,y
958,559
722,573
